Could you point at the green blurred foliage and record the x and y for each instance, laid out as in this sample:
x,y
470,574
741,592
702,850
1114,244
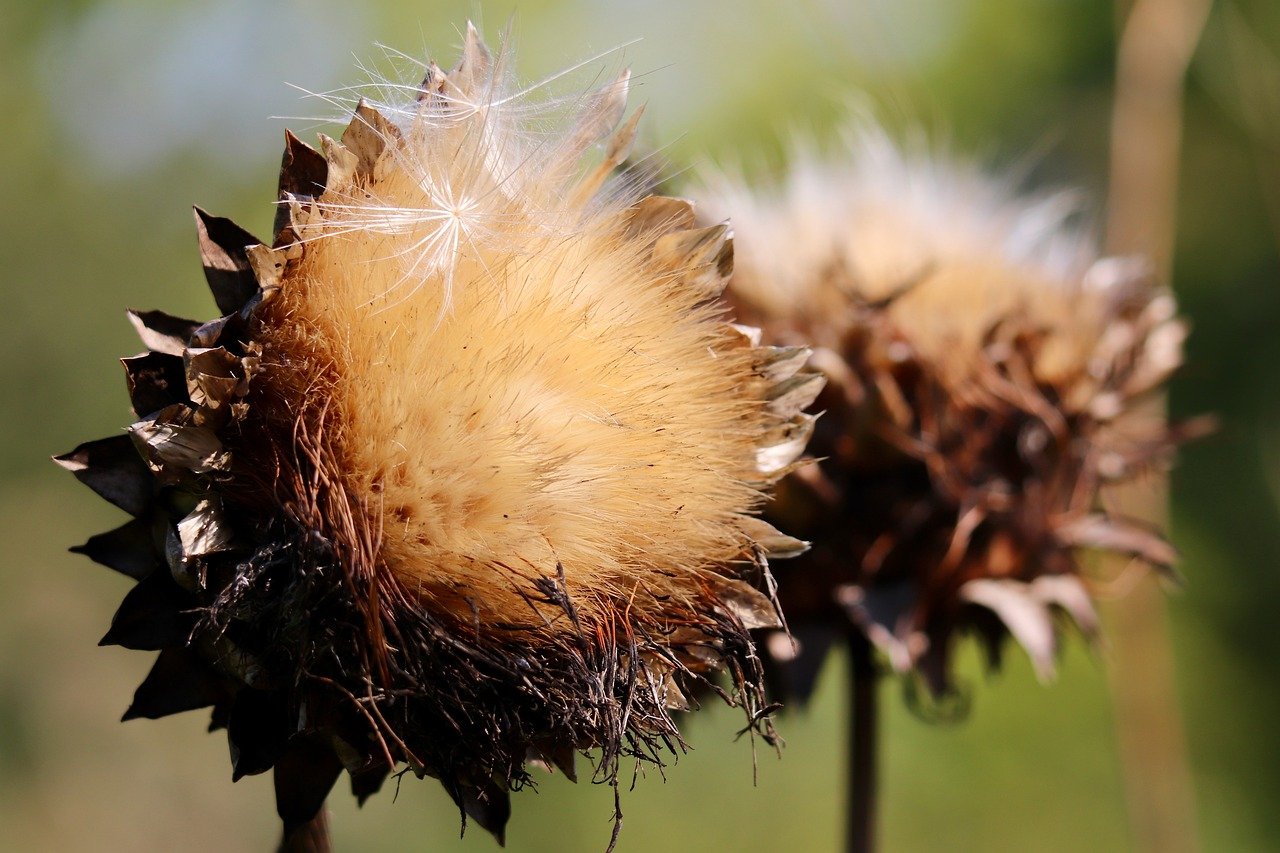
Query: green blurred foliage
x,y
1016,81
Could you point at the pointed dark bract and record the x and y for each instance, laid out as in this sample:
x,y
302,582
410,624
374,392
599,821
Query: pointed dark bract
x,y
794,662
304,775
155,380
367,136
113,469
129,549
161,332
226,264
179,681
220,715
303,173
368,780
257,731
155,614
487,804
303,169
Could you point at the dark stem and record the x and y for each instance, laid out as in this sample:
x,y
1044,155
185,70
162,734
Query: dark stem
x,y
863,747
309,837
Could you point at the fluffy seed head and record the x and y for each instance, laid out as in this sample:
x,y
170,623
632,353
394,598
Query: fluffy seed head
x,y
984,371
465,474
539,385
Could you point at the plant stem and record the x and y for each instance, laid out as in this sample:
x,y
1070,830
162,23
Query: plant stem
x,y
863,746
1157,41
310,837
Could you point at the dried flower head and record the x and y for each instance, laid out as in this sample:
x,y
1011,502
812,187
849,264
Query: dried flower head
x,y
984,376
464,475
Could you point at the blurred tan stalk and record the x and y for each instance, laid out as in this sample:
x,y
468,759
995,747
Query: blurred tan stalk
x,y
312,837
1253,90
1157,41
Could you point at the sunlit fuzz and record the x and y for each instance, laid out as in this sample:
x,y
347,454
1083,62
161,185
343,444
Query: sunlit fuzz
x,y
985,375
537,389
466,474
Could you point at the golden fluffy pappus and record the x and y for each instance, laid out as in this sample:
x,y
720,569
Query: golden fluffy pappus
x,y
464,475
568,399
985,371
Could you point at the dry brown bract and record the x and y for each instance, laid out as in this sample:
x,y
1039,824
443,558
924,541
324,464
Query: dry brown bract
x,y
464,476
985,377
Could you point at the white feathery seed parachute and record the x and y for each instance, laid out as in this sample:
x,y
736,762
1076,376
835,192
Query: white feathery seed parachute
x,y
484,164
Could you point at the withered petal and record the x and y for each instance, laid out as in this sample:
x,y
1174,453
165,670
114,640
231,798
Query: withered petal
x,y
302,168
886,613
210,333
172,441
784,444
778,363
705,253
562,756
220,714
1068,592
792,396
473,68
211,376
600,113
205,530
616,153
773,542
267,265
340,163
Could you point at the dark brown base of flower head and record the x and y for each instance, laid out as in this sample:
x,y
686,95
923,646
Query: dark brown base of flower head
x,y
942,505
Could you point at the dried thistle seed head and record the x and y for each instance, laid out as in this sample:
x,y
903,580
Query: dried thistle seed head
x,y
465,474
985,372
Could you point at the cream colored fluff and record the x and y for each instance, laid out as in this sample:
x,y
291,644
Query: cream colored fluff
x,y
869,218
514,383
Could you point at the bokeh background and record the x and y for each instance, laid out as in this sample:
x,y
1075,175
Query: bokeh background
x,y
120,115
